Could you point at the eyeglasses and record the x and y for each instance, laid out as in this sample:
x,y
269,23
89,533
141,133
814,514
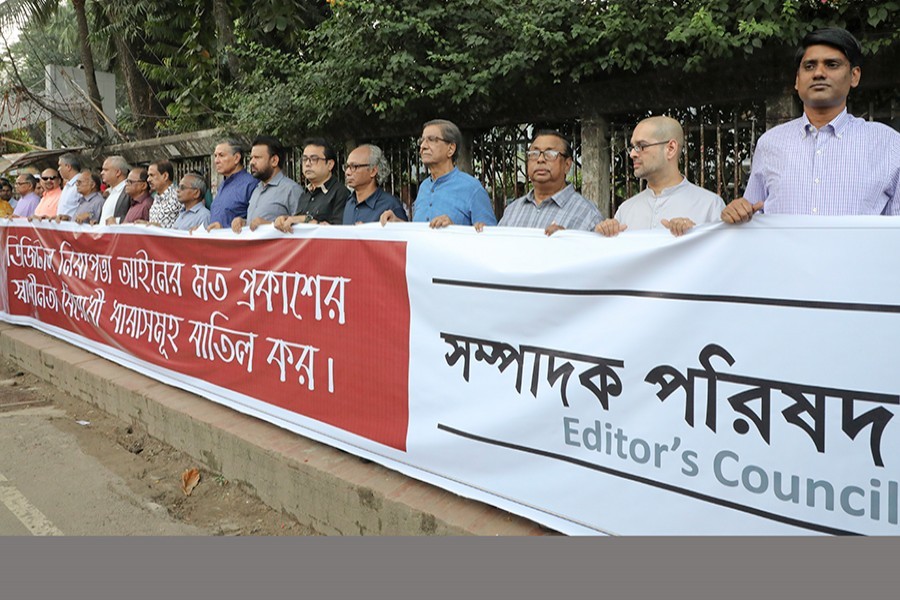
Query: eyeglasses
x,y
311,160
641,146
431,139
547,154
186,187
52,177
353,167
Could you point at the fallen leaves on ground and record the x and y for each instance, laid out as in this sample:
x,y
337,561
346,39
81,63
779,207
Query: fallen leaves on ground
x,y
189,480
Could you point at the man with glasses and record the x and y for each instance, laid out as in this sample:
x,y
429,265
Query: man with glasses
x,y
138,189
49,203
670,201
553,204
275,194
90,200
28,198
69,168
324,198
449,196
827,162
191,192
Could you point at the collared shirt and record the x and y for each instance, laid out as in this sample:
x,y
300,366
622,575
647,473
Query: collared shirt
x,y
847,167
233,198
457,195
195,216
647,209
27,204
269,201
566,208
93,204
370,209
49,204
324,202
140,209
112,199
166,208
68,199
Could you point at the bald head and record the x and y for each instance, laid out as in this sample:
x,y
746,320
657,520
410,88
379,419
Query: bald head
x,y
665,128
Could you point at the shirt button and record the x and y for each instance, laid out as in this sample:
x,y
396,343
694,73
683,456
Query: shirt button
x,y
815,210
818,152
817,180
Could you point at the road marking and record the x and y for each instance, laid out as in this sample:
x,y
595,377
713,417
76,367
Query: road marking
x,y
25,511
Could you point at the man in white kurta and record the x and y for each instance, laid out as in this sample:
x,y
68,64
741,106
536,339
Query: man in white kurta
x,y
670,201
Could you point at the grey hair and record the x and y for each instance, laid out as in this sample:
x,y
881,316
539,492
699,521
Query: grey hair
x,y
72,160
120,164
197,183
235,145
450,132
378,160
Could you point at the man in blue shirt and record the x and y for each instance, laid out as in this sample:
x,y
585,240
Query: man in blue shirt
x,y
366,169
449,196
234,194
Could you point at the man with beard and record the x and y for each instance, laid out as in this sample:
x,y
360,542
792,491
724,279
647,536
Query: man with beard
x,y
670,201
275,194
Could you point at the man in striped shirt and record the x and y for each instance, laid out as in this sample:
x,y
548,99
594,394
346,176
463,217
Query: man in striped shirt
x,y
827,162
553,204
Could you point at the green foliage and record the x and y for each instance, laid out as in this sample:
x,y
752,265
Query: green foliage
x,y
400,61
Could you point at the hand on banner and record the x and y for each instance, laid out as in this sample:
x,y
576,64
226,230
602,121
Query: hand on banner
x,y
440,222
61,218
740,210
237,224
610,228
213,226
553,228
285,223
479,226
258,222
112,221
678,226
388,216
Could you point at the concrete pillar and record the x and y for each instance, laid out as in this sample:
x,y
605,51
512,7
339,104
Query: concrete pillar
x,y
595,163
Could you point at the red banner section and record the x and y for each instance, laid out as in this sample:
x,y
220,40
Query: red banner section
x,y
311,326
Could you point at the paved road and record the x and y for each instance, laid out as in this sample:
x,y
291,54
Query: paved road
x,y
49,486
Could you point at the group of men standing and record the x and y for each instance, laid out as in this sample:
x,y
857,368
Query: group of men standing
x,y
824,163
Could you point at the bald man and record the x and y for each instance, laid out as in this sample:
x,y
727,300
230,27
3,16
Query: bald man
x,y
670,201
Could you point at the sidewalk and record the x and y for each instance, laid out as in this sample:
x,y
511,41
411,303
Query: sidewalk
x,y
331,491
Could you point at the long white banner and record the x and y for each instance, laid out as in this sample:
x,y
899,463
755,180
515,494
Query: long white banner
x,y
737,380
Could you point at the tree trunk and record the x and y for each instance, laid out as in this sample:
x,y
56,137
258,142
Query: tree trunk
x,y
87,60
145,107
225,29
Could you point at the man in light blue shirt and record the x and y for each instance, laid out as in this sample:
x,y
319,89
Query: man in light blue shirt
x,y
449,196
191,192
69,199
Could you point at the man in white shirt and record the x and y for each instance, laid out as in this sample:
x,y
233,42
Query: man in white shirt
x,y
670,200
69,169
114,173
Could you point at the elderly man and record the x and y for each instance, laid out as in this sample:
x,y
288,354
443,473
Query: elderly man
x,y
114,173
553,204
237,186
28,198
69,168
191,193
449,196
138,191
49,203
275,194
670,200
90,200
366,169
827,162
166,207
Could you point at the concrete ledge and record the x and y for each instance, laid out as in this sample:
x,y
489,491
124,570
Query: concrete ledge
x,y
333,492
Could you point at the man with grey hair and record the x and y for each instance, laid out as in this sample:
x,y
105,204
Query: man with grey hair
x,y
191,193
670,201
114,173
69,169
449,196
233,195
365,170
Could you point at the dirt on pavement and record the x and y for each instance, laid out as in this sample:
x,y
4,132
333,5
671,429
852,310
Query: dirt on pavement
x,y
150,468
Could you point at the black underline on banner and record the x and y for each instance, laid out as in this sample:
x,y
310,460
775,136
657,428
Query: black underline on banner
x,y
784,302
657,484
